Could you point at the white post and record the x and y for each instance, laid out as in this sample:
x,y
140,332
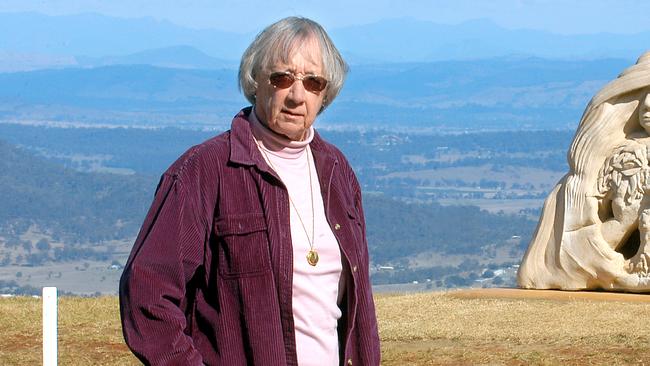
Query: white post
x,y
50,326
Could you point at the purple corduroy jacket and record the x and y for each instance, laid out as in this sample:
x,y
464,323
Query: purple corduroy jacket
x,y
209,278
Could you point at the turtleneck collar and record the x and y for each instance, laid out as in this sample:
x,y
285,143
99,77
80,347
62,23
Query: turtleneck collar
x,y
277,144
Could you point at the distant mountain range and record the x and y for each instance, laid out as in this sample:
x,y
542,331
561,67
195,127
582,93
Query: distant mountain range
x,y
97,36
410,40
182,57
91,68
31,40
501,93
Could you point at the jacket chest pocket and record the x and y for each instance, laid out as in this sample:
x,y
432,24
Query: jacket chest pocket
x,y
243,245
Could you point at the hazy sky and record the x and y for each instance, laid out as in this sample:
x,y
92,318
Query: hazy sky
x,y
559,16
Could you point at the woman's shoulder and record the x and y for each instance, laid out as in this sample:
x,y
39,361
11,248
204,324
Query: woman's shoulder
x,y
202,158
322,145
330,149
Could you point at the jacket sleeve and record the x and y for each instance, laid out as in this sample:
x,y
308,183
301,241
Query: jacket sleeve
x,y
165,256
366,316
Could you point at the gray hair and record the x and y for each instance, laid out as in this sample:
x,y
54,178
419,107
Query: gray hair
x,y
277,42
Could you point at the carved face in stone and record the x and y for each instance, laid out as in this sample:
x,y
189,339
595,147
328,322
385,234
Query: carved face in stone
x,y
644,112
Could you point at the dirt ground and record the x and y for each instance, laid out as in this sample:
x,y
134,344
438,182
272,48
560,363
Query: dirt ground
x,y
514,327
512,293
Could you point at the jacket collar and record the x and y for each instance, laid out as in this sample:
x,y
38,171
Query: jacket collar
x,y
242,144
244,151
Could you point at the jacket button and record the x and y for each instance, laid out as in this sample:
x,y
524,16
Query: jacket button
x,y
354,269
350,361
337,227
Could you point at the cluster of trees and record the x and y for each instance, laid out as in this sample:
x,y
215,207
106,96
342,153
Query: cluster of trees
x,y
369,152
146,151
67,253
13,288
398,229
74,207
463,275
375,154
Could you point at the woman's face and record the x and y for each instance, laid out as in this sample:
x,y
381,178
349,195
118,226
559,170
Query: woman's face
x,y
644,112
291,111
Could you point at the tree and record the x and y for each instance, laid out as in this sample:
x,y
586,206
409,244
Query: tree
x,y
43,245
6,260
456,281
497,280
36,259
488,274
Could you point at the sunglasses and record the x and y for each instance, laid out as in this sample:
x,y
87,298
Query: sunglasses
x,y
284,79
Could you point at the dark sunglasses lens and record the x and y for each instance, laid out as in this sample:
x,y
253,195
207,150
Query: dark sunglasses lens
x,y
314,83
281,80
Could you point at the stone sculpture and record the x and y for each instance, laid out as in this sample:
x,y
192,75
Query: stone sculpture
x,y
594,231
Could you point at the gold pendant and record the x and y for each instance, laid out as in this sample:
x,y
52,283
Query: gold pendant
x,y
312,257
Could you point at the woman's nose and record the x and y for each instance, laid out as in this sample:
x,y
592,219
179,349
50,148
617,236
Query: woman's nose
x,y
297,92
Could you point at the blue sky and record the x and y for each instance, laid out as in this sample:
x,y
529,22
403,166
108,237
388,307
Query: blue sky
x,y
566,17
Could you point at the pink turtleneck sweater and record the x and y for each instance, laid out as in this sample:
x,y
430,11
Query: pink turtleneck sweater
x,y
316,289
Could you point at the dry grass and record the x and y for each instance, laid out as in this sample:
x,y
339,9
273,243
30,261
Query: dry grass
x,y
89,332
439,329
416,329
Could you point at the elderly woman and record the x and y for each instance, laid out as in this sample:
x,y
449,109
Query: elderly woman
x,y
254,250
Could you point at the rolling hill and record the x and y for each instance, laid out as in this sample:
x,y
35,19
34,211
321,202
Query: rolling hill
x,y
501,93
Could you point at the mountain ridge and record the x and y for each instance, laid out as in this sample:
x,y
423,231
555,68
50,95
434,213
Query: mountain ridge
x,y
504,92
91,35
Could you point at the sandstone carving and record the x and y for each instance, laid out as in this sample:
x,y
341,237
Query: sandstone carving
x,y
594,231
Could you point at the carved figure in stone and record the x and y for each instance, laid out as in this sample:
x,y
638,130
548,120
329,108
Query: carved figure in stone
x,y
594,231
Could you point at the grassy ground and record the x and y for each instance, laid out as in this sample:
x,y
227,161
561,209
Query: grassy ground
x,y
89,332
416,329
438,329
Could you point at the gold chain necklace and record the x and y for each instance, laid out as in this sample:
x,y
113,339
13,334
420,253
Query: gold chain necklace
x,y
312,255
